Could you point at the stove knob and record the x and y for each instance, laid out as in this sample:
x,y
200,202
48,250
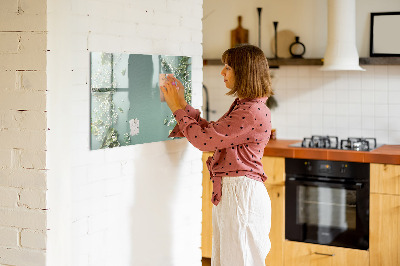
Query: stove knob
x,y
308,166
343,168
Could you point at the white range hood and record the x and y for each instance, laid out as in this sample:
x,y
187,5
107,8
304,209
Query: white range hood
x,y
341,51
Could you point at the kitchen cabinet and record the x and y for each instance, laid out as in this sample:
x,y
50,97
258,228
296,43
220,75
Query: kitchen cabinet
x,y
385,178
305,254
384,221
206,225
385,215
274,168
385,230
277,233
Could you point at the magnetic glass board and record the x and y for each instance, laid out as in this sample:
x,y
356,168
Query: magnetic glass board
x,y
127,106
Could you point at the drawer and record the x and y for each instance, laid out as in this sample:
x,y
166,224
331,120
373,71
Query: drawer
x,y
298,253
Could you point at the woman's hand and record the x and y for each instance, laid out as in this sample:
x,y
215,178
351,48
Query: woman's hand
x,y
173,91
181,90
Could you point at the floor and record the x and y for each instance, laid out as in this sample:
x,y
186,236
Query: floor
x,y
206,261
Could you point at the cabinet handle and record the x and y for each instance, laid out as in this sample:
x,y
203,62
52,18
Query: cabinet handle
x,y
324,254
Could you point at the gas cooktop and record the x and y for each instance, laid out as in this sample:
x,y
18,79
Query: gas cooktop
x,y
332,142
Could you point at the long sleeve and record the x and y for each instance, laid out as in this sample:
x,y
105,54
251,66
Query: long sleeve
x,y
193,113
232,130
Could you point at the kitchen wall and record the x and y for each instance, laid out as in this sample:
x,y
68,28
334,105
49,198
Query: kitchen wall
x,y
134,205
343,103
23,128
346,104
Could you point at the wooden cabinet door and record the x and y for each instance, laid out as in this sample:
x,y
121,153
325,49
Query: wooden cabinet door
x,y
206,225
277,233
304,254
274,168
385,178
384,237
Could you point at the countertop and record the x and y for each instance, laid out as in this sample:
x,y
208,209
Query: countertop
x,y
388,154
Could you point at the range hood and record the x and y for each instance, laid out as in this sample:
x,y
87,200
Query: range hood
x,y
341,51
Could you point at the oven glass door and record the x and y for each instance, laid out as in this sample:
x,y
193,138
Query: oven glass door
x,y
326,213
327,207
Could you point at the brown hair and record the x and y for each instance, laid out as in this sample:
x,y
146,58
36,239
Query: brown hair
x,y
250,66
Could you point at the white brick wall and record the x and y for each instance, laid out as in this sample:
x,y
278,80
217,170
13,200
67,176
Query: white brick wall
x,y
93,196
22,132
24,256
133,205
8,197
33,239
9,237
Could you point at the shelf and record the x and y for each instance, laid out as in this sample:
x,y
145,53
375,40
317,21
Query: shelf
x,y
274,63
212,62
294,62
380,61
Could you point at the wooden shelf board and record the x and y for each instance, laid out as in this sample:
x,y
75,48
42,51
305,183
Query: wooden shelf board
x,y
295,61
273,62
380,61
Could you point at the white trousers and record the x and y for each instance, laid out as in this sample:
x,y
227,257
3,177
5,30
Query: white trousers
x,y
241,223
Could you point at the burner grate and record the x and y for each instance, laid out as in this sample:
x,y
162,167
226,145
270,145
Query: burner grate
x,y
358,144
327,142
332,142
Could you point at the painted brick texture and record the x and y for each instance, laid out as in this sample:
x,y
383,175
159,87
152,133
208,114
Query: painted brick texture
x,y
23,132
134,205
9,237
33,239
93,197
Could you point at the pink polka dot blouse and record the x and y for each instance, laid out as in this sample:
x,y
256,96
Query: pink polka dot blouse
x,y
238,139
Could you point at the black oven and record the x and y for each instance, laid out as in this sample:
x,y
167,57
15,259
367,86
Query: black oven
x,y
327,202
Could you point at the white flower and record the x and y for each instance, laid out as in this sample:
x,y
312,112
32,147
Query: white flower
x,y
134,125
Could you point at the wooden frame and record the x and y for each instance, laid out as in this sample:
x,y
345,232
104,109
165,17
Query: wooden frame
x,y
384,37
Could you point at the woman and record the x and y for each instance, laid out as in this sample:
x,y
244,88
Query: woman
x,y
242,208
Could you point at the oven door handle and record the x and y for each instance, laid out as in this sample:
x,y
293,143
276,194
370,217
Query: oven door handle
x,y
357,185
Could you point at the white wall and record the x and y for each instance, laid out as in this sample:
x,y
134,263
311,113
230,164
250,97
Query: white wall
x,y
343,104
306,19
311,102
23,133
133,205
